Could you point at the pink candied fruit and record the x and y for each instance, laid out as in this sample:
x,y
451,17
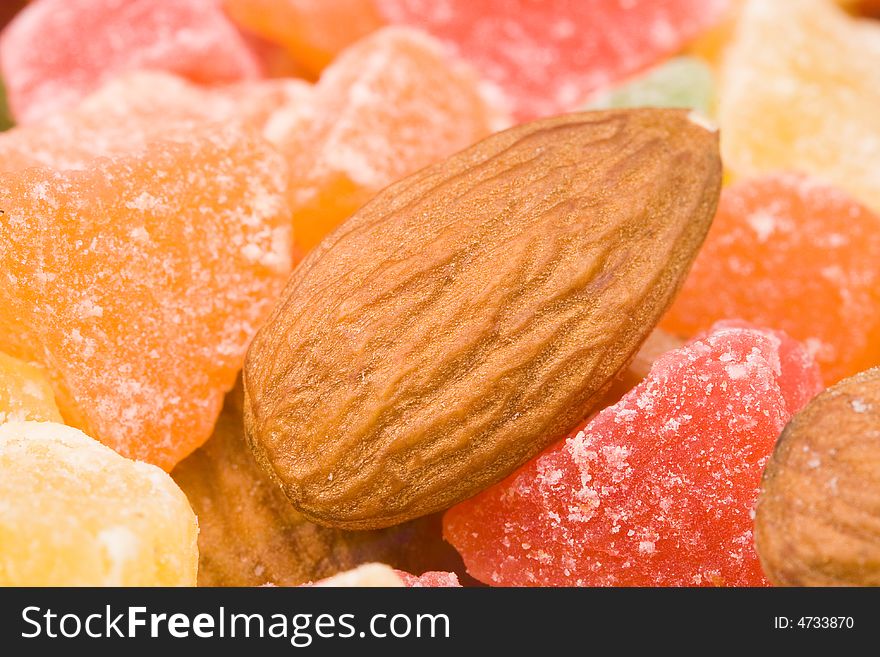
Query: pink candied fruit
x,y
657,490
431,579
83,43
547,57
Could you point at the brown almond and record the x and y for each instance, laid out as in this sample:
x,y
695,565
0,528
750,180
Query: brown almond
x,y
474,312
817,522
250,535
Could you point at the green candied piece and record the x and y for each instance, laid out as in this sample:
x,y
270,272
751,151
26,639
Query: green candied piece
x,y
680,82
5,117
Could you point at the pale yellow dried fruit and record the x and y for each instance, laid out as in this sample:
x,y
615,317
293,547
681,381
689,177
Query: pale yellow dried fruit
x,y
475,312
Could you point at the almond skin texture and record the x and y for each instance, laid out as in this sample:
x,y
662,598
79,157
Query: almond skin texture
x,y
250,535
475,311
817,521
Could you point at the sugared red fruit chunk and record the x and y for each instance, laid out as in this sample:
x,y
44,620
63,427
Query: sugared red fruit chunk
x,y
788,252
433,579
75,513
57,51
388,106
25,392
548,57
139,282
657,490
685,82
800,92
312,31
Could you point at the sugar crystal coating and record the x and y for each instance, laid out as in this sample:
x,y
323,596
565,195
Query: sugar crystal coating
x,y
75,513
548,57
387,106
655,490
790,252
433,579
800,88
130,112
25,392
139,281
83,43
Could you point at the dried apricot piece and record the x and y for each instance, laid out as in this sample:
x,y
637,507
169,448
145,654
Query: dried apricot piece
x,y
139,281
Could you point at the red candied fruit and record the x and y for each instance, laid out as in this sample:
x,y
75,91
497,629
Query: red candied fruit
x,y
657,490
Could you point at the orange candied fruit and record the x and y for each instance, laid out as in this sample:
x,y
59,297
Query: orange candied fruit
x,y
388,106
789,252
312,31
138,282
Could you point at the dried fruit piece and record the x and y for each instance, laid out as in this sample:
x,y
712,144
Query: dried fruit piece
x,y
474,312
434,579
370,575
139,282
792,253
75,513
388,106
131,112
313,31
548,57
250,534
799,92
158,97
376,574
84,43
685,82
657,490
818,517
25,392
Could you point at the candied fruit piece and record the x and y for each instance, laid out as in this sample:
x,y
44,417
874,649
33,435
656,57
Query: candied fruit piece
x,y
388,106
789,252
685,82
139,281
580,47
76,513
250,534
800,88
83,43
432,579
25,392
135,109
655,490
373,575
312,31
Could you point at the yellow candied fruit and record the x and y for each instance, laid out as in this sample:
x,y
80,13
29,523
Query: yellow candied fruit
x,y
76,513
25,392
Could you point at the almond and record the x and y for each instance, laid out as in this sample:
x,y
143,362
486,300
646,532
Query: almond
x,y
474,312
250,535
817,522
